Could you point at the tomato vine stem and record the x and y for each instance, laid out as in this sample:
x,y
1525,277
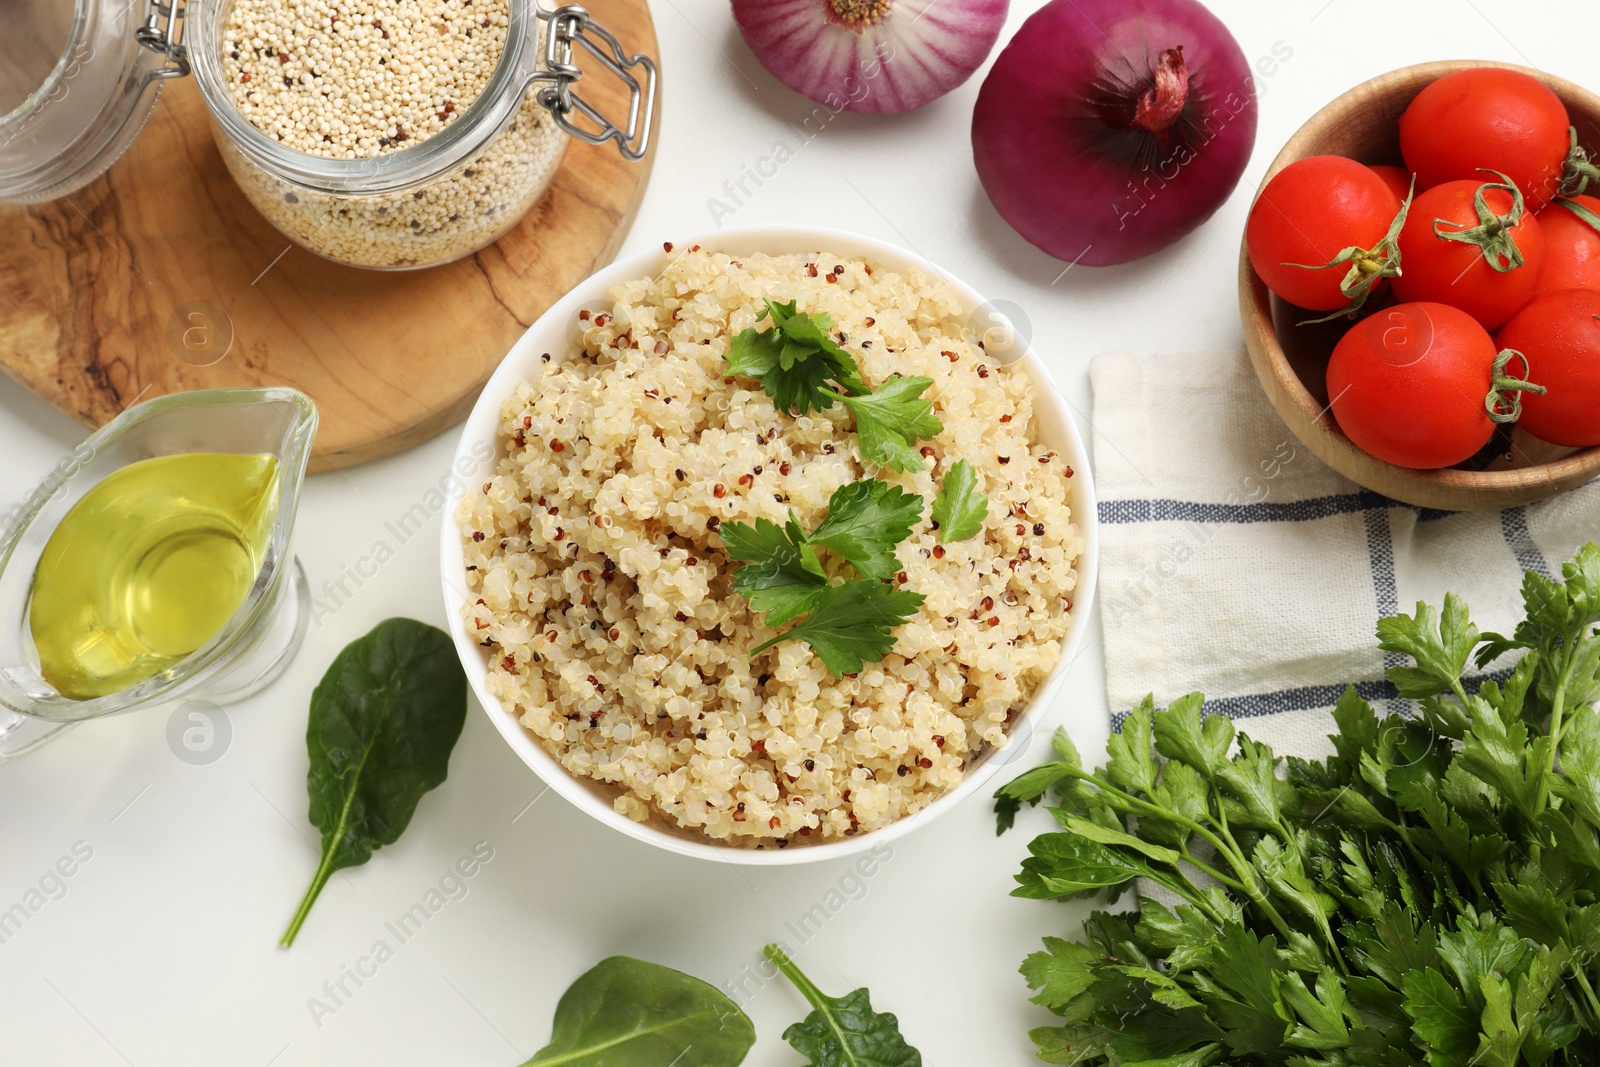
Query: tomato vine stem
x,y
1368,266
1492,234
1577,171
1504,401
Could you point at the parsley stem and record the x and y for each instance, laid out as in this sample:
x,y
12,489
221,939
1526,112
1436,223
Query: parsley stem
x,y
1252,885
763,646
1246,883
1557,708
1588,991
1210,871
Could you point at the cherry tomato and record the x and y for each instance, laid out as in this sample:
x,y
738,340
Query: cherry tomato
x,y
1487,117
1408,385
1398,179
1308,214
1457,273
1559,336
1571,248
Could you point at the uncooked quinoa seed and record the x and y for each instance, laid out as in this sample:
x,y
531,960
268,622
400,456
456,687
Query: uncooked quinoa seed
x,y
351,79
603,596
355,79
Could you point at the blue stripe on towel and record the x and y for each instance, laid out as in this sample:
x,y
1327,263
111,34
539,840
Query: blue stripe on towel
x,y
1306,698
1514,525
1380,551
1125,512
1385,589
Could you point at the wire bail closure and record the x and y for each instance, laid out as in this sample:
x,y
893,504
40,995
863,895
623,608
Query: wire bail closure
x,y
162,33
571,25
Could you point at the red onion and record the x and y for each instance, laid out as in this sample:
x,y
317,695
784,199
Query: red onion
x,y
877,56
1108,129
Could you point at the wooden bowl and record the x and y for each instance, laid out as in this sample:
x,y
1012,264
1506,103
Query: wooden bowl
x,y
1291,360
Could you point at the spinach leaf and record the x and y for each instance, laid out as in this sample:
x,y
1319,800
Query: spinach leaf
x,y
843,1031
383,721
628,1013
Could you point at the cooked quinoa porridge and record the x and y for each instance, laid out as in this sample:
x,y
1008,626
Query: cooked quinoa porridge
x,y
357,79
604,597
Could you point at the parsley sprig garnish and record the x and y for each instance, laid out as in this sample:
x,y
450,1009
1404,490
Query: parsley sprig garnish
x,y
845,622
1427,895
796,359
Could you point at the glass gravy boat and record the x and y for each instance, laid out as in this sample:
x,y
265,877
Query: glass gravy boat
x,y
253,646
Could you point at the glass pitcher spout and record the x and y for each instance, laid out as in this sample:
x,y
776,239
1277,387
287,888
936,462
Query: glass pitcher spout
x,y
119,590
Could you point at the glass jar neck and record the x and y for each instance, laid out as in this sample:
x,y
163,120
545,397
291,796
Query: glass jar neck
x,y
395,171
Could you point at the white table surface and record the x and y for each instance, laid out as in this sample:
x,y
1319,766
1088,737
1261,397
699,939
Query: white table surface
x,y
163,948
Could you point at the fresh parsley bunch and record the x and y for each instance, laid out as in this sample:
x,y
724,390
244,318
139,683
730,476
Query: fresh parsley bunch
x,y
1429,896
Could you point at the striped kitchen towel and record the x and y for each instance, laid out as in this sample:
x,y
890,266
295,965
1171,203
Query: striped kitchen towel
x,y
1235,563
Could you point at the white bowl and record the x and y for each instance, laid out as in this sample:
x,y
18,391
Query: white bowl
x,y
555,332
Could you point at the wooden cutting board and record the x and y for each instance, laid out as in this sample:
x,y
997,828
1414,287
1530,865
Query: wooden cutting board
x,y
160,277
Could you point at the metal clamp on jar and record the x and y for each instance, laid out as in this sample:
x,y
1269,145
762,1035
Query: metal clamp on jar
x,y
436,200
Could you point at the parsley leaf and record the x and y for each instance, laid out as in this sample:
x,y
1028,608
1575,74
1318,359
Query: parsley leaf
x,y
1322,1015
1030,787
851,622
890,418
865,521
1440,646
754,353
794,359
784,577
1066,865
959,509
1060,973
1440,1015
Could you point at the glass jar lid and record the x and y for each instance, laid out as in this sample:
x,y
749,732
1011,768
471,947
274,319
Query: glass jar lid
x,y
76,85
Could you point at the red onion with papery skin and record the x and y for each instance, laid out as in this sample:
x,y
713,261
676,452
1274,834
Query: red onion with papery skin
x,y
1108,129
875,56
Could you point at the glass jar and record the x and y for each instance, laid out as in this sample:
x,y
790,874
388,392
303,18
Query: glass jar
x,y
440,199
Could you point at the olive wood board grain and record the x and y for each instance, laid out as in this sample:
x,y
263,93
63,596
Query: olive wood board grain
x,y
160,277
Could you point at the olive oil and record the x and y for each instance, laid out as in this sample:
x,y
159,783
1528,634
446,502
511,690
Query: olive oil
x,y
148,566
